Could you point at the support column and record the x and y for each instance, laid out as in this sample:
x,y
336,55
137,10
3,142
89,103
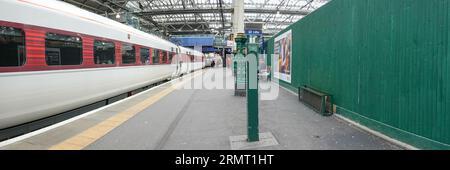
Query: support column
x,y
252,90
252,100
238,18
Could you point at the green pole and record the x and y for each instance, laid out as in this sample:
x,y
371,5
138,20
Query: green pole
x,y
252,93
240,83
252,109
246,83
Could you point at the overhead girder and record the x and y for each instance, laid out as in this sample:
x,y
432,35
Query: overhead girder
x,y
197,16
225,10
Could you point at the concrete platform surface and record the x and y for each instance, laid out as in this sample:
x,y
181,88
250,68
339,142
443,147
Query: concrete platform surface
x,y
188,119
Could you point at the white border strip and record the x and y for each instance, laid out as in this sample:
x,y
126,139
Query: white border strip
x,y
365,128
48,128
376,133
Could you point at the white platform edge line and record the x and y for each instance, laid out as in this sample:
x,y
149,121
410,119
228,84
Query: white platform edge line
x,y
376,133
365,128
51,127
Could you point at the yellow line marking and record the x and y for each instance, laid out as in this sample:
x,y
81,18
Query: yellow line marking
x,y
94,133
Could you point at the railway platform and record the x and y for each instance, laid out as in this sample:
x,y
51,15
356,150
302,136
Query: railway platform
x,y
170,117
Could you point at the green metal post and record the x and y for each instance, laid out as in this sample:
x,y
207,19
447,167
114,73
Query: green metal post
x,y
252,110
252,93
240,83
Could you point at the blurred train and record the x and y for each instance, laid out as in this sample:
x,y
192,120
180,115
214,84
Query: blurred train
x,y
55,57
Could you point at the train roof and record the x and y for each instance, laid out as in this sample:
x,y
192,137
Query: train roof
x,y
63,16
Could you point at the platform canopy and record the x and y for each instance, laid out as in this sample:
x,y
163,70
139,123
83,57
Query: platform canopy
x,y
175,17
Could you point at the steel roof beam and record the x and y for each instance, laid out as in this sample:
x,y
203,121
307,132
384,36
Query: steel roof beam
x,y
205,22
225,10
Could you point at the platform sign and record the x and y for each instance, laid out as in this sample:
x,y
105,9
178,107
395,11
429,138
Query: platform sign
x,y
282,60
241,71
241,63
253,32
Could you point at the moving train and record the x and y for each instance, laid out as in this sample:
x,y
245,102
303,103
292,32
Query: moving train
x,y
55,57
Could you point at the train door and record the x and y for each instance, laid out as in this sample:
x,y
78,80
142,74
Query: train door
x,y
178,61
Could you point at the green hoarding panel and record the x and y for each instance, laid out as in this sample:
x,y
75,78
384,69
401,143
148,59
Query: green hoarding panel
x,y
386,63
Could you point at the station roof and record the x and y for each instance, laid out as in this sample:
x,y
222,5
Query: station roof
x,y
181,17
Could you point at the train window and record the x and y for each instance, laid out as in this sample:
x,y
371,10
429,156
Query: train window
x,y
145,56
104,52
63,49
155,56
12,46
128,54
164,57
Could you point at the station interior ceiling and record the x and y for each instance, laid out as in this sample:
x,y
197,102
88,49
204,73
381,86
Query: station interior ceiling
x,y
168,18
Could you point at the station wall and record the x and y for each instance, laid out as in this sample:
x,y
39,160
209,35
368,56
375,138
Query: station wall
x,y
386,63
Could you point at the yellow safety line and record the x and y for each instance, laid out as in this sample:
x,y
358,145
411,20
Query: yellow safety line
x,y
94,133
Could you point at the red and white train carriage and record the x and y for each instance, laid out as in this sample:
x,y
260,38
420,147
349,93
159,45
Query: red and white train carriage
x,y
55,57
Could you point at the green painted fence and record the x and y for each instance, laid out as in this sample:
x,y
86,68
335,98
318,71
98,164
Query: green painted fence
x,y
387,63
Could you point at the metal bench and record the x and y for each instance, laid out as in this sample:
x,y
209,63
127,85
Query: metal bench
x,y
319,101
